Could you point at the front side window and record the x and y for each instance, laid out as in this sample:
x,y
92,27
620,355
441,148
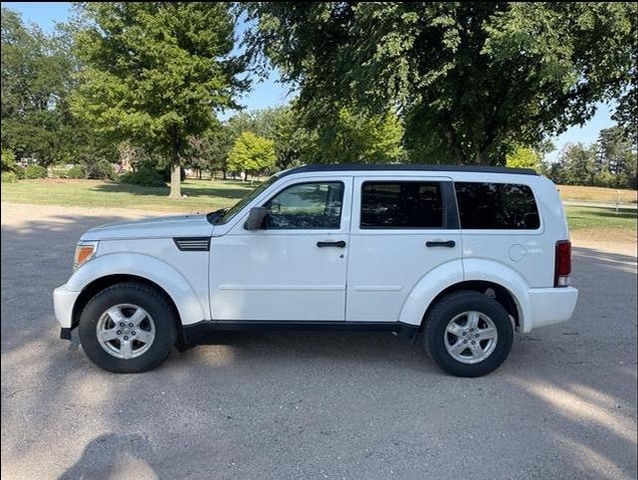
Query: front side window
x,y
401,205
306,206
496,206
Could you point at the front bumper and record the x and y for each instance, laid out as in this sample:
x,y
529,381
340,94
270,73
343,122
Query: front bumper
x,y
63,301
549,306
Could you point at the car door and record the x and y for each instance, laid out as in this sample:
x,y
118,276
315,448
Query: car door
x,y
294,267
403,228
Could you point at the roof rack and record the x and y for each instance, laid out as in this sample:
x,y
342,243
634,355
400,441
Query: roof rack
x,y
368,167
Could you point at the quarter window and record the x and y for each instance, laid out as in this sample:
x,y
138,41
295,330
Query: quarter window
x,y
401,205
495,206
306,206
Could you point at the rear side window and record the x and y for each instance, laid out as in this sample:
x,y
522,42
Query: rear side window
x,y
401,205
496,206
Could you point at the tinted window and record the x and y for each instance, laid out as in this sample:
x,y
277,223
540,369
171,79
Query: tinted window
x,y
401,205
306,206
496,206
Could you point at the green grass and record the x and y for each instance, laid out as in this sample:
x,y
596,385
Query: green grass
x,y
207,195
201,195
600,218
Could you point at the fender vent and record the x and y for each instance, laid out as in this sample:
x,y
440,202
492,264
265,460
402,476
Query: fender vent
x,y
193,244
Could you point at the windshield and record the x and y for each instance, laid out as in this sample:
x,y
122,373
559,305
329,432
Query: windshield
x,y
228,214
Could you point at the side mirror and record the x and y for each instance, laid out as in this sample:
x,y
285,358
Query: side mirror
x,y
255,219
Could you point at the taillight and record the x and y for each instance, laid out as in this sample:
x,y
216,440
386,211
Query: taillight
x,y
563,266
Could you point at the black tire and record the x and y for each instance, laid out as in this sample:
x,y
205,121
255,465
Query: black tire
x,y
128,301
456,312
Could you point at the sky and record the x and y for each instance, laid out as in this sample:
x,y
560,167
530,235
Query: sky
x,y
270,93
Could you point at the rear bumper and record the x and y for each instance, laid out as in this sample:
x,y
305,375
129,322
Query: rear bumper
x,y
549,306
63,301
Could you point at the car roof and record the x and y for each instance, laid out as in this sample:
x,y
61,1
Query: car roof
x,y
370,167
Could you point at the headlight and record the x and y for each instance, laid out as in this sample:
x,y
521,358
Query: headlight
x,y
84,251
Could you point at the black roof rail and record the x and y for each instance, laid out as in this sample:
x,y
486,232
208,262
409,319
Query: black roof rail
x,y
370,167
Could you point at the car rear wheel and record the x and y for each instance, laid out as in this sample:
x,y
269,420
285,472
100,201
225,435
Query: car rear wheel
x,y
468,334
127,328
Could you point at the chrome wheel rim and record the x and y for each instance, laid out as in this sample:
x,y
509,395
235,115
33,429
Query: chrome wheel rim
x,y
125,331
470,337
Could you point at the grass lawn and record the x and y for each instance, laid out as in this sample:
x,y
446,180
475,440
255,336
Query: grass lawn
x,y
206,195
201,195
593,217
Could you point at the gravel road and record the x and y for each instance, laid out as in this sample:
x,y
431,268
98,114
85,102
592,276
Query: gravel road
x,y
312,405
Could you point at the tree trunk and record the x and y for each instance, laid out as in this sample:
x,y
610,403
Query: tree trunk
x,y
176,181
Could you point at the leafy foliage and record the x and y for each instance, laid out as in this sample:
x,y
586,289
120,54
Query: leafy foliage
x,y
145,176
610,162
360,138
156,71
470,79
36,80
8,161
9,177
252,154
76,172
524,157
35,171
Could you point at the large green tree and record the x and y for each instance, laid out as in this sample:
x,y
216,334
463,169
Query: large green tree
x,y
156,72
471,79
36,80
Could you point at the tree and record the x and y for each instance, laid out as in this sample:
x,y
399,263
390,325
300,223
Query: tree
x,y
576,166
156,72
524,157
36,80
251,154
616,155
471,80
352,138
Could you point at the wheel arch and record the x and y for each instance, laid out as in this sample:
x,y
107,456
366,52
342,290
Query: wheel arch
x,y
505,285
102,283
493,290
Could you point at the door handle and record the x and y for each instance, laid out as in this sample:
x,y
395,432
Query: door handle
x,y
339,244
440,243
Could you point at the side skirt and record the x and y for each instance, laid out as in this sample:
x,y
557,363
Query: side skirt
x,y
193,334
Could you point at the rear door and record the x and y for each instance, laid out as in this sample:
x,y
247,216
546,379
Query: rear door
x,y
402,229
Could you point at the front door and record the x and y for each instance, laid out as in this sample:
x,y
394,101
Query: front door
x,y
293,269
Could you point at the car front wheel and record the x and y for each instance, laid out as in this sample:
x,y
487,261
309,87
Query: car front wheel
x,y
468,334
127,328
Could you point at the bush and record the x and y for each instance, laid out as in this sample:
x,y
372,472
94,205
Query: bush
x,y
75,172
20,172
35,171
8,161
9,177
145,176
100,170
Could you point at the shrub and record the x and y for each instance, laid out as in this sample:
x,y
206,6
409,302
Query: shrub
x,y
35,171
75,172
100,170
145,176
8,161
20,172
9,177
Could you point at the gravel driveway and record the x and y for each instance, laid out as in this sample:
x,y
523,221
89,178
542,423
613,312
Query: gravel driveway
x,y
311,405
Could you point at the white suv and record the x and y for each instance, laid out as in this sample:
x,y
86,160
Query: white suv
x,y
465,255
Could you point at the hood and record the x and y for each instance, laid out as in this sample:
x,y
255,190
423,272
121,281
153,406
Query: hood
x,y
194,225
